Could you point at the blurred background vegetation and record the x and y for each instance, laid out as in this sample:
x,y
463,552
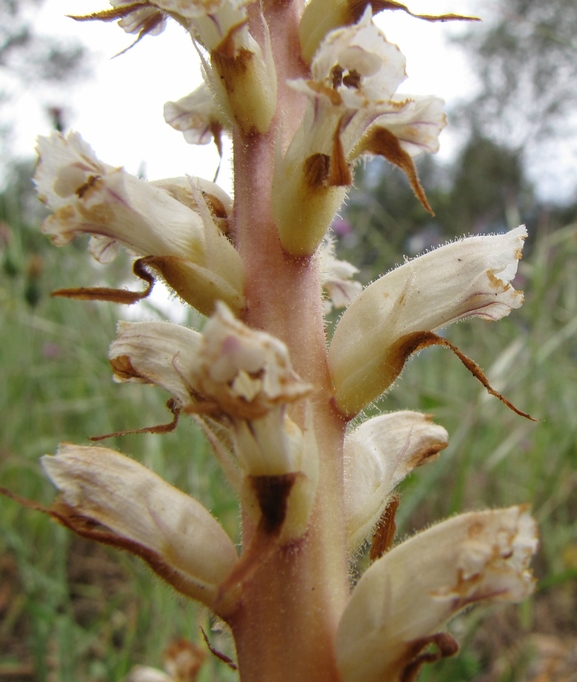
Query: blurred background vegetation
x,y
72,611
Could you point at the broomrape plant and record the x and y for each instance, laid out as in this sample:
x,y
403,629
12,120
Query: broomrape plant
x,y
304,92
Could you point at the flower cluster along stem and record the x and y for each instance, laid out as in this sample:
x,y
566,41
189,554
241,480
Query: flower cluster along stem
x,y
291,605
304,92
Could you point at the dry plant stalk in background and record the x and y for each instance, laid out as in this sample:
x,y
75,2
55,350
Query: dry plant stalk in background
x,y
304,92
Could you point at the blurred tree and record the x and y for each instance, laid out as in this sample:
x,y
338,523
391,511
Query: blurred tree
x,y
29,59
490,192
526,64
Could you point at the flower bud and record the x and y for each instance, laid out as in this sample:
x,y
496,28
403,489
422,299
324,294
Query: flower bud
x,y
336,280
378,455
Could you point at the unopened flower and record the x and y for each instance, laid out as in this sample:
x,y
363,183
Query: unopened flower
x,y
138,511
405,598
197,117
378,455
184,245
381,328
336,279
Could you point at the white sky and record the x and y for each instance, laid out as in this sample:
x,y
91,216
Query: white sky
x,y
119,110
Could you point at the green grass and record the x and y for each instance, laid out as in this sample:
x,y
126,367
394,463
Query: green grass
x,y
85,613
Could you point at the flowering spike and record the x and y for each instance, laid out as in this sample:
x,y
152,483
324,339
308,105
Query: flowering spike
x,y
271,399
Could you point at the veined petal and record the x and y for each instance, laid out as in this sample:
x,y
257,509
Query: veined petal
x,y
177,224
146,20
336,279
378,455
464,279
145,219
158,353
95,198
196,116
358,65
146,515
66,166
417,124
408,595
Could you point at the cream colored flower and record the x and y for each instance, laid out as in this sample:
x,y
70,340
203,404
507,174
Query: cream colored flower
x,y
336,279
378,455
140,512
159,353
247,372
407,596
242,76
186,246
375,336
416,125
353,110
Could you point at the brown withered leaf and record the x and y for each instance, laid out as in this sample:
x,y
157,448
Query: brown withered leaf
x,y
215,652
316,169
340,172
357,7
382,142
111,14
415,657
121,296
412,343
173,405
272,493
147,25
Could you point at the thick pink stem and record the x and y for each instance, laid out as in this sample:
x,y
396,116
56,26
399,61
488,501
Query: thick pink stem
x,y
284,630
